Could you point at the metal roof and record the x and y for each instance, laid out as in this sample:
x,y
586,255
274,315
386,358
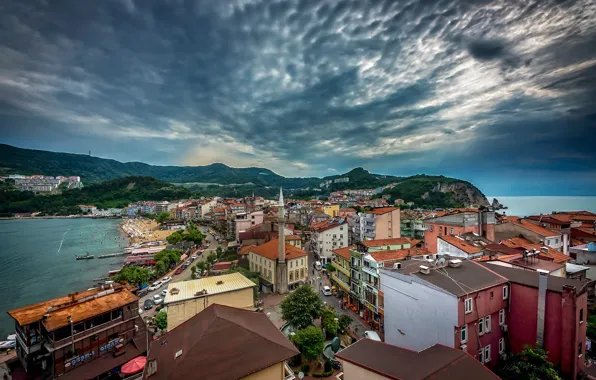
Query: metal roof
x,y
211,285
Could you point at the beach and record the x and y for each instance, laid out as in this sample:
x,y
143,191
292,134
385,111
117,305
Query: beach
x,y
144,230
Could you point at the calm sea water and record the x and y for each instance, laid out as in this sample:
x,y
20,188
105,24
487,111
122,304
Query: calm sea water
x,y
524,206
37,259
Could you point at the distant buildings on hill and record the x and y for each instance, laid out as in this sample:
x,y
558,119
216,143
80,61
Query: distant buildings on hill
x,y
43,183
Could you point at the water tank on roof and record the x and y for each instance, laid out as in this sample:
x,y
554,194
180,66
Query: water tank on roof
x,y
592,247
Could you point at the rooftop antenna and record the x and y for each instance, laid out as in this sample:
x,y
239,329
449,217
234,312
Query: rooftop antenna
x,y
89,153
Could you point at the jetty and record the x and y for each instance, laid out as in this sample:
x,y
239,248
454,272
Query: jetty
x,y
85,257
111,255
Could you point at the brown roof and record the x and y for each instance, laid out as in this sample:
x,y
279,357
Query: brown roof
x,y
398,254
384,242
324,225
221,342
552,254
381,210
79,309
461,244
270,250
530,278
344,252
436,362
292,237
246,249
542,231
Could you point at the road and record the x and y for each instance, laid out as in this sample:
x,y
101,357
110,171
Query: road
x,y
185,275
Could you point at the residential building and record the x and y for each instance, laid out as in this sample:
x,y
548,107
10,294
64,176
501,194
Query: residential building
x,y
327,236
331,210
550,311
557,225
584,254
185,299
513,227
161,207
412,225
86,208
81,335
221,343
262,233
294,240
244,221
238,207
459,305
457,246
543,252
379,223
527,259
457,223
340,278
369,359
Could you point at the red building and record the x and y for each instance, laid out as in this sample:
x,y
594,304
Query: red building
x,y
457,224
549,310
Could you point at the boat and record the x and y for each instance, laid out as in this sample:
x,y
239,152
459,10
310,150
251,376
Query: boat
x,y
85,257
7,344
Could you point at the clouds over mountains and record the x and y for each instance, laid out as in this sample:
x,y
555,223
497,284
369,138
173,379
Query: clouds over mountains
x,y
301,86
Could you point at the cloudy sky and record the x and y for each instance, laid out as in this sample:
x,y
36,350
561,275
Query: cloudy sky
x,y
501,93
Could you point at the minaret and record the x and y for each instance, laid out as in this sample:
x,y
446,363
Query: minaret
x,y
281,279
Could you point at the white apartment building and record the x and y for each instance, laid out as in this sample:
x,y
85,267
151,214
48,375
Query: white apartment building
x,y
327,236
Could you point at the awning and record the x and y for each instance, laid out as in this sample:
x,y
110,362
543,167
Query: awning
x,y
134,366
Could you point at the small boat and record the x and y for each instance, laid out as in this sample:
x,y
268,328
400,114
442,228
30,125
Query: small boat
x,y
85,257
6,344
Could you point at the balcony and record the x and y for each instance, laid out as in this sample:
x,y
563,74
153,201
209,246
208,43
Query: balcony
x,y
52,345
342,269
340,282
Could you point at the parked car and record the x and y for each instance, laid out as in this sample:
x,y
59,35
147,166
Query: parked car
x,y
156,285
326,290
317,265
157,299
372,335
179,270
193,257
166,279
148,304
164,293
142,293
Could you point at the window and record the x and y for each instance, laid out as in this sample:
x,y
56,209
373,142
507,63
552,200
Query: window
x,y
501,317
301,272
481,355
491,295
451,231
581,315
556,241
505,292
464,334
547,242
481,326
430,228
579,350
301,262
468,305
291,276
487,354
291,264
487,323
501,345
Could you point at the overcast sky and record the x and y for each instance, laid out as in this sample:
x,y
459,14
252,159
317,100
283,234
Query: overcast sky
x,y
501,93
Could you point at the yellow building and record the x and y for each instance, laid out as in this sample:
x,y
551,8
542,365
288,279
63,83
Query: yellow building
x,y
331,210
341,276
186,299
264,258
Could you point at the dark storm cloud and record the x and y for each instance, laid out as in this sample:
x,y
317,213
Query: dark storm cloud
x,y
302,86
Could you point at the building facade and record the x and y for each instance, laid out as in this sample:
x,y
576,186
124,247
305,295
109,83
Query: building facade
x,y
482,223
328,236
379,223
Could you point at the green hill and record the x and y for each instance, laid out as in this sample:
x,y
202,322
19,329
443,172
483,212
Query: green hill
x,y
115,193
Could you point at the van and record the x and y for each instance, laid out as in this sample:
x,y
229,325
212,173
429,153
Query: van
x,y
317,265
326,290
372,335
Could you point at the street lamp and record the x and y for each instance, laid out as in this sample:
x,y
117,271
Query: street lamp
x,y
337,324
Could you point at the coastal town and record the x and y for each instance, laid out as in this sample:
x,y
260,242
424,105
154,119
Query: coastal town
x,y
292,288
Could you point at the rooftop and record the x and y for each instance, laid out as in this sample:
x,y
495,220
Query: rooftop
x,y
437,362
542,231
384,242
398,254
220,342
292,237
550,254
246,249
530,278
325,225
461,244
344,252
79,306
381,210
270,250
206,286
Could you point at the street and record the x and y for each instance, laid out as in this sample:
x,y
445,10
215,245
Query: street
x,y
185,275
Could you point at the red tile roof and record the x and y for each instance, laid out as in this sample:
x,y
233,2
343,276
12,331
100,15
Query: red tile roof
x,y
324,225
552,254
398,254
344,252
381,210
246,249
542,231
292,237
270,250
461,244
384,242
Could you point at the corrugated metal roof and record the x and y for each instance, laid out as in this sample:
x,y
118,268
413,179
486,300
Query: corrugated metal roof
x,y
212,285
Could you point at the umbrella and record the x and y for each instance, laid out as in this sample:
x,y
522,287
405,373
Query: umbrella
x,y
135,365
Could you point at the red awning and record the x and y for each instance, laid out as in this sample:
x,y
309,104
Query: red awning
x,y
134,366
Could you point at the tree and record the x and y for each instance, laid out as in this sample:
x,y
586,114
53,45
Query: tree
x,y
328,321
201,266
161,268
345,321
162,217
530,364
219,251
211,259
301,307
133,275
311,342
175,238
161,320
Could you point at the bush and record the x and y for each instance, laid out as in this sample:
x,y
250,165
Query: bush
x,y
305,368
328,367
323,374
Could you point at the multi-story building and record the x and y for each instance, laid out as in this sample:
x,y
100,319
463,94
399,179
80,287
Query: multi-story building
x,y
513,227
222,342
481,222
161,207
79,336
556,225
187,298
379,223
327,236
461,305
340,278
238,207
244,221
331,210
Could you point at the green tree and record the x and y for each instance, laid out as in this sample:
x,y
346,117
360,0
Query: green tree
x,y
311,342
591,326
161,268
530,364
201,266
328,322
161,320
162,217
345,321
219,251
133,275
301,307
211,259
175,238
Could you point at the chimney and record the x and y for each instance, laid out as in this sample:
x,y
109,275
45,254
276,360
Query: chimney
x,y
542,285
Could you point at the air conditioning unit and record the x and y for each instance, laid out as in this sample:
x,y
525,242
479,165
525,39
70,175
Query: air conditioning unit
x,y
503,356
425,257
424,269
397,266
504,328
464,347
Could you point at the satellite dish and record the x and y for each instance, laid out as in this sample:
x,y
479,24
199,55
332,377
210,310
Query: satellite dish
x,y
335,344
301,375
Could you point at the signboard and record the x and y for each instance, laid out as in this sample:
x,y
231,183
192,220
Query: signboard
x,y
79,359
108,345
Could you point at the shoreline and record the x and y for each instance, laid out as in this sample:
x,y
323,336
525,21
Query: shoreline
x,y
59,217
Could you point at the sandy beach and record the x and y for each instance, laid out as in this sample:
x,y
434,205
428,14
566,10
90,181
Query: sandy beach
x,y
145,230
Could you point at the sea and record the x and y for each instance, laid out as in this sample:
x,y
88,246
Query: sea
x,y
525,206
37,259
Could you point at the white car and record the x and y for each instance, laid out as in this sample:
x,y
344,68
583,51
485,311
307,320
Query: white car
x,y
326,290
156,285
372,335
157,299
164,293
166,279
